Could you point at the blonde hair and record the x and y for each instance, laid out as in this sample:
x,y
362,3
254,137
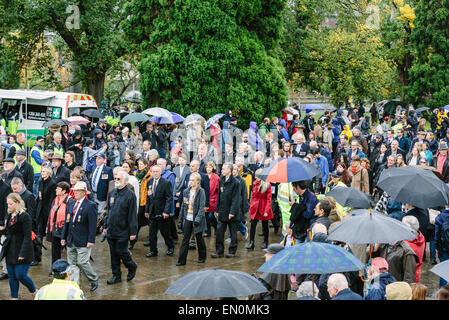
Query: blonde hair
x,y
419,291
47,169
263,184
196,177
20,203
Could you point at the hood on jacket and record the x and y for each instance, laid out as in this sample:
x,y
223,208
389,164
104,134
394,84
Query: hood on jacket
x,y
382,280
253,126
417,242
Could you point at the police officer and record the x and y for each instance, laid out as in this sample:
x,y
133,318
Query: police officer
x,y
61,288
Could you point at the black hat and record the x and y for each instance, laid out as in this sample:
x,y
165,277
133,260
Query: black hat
x,y
9,160
336,174
274,248
60,266
21,152
40,138
233,119
77,133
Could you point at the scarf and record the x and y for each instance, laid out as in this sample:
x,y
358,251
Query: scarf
x,y
141,174
59,208
353,170
144,189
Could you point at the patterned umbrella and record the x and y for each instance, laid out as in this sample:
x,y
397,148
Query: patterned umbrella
x,y
213,119
175,118
312,258
288,170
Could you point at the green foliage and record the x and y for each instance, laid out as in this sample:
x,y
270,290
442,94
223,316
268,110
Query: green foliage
x,y
9,72
429,80
208,56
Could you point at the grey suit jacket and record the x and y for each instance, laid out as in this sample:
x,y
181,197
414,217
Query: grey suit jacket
x,y
179,182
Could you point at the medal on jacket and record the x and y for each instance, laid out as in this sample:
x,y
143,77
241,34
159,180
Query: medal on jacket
x,y
221,189
68,218
79,218
112,200
150,191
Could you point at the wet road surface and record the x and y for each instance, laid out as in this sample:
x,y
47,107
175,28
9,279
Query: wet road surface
x,y
155,274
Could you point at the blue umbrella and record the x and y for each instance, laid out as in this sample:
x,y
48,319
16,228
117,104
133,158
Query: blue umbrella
x,y
288,170
312,258
313,106
446,108
175,118
213,119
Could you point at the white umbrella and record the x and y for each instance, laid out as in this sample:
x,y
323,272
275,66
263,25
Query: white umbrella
x,y
193,118
158,112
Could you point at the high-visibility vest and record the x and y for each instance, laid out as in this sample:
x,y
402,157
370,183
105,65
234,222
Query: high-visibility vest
x,y
17,147
36,166
58,150
285,193
342,211
60,290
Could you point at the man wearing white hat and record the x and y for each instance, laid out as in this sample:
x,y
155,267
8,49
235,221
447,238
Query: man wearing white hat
x,y
79,234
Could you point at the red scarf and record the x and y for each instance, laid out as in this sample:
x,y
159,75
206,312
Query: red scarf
x,y
59,204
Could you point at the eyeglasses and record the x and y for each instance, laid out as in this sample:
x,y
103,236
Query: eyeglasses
x,y
117,179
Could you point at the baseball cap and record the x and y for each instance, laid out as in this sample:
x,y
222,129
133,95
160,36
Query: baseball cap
x,y
101,155
40,138
60,266
274,248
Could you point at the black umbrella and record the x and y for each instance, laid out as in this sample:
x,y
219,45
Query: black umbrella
x,y
216,284
442,270
61,122
418,187
366,227
350,197
93,113
390,106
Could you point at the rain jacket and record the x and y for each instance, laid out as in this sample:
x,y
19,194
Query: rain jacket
x,y
418,245
401,260
376,287
346,131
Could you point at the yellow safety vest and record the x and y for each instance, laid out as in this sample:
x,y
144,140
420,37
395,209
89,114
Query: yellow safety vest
x,y
342,211
17,147
285,193
58,150
60,290
36,166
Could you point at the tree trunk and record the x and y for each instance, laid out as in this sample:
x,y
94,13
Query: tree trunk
x,y
95,87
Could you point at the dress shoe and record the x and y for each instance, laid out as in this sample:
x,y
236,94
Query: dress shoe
x,y
180,264
265,245
131,274
230,255
94,286
179,230
175,241
201,260
131,246
34,263
3,276
250,246
151,254
217,255
170,251
146,243
114,279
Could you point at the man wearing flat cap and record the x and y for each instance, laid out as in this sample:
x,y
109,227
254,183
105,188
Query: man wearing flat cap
x,y
9,172
440,161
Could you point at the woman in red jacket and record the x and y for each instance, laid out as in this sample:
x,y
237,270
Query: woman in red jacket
x,y
260,209
214,181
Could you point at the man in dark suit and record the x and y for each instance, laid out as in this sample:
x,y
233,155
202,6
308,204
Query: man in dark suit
x,y
26,195
338,288
258,163
228,207
9,172
394,150
25,169
158,208
120,225
79,233
301,149
101,176
60,172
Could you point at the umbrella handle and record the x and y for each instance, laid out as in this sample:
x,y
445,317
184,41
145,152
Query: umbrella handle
x,y
364,280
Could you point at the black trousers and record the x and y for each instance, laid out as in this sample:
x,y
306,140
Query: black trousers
x,y
173,229
184,249
56,248
252,233
164,226
118,249
219,242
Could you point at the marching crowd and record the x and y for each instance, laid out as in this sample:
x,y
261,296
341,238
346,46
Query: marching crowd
x,y
203,178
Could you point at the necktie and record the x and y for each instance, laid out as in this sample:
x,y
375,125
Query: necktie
x,y
94,180
154,187
75,208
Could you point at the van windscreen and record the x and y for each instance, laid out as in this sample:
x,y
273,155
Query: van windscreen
x,y
76,111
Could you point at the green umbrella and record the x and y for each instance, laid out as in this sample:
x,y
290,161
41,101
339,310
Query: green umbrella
x,y
135,117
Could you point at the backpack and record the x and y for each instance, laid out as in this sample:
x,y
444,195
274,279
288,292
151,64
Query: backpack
x,y
445,235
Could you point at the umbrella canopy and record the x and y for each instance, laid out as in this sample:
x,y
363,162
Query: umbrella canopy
x,y
442,270
390,106
446,108
135,117
213,119
381,102
365,227
350,197
174,118
192,118
77,120
288,170
157,112
422,109
312,106
93,113
420,188
312,258
216,284
61,122
433,169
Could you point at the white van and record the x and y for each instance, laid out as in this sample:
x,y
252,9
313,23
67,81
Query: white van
x,y
36,106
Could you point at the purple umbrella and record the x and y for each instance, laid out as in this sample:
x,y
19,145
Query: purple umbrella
x,y
175,118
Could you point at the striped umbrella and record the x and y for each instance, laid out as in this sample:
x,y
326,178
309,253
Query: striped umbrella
x,y
288,170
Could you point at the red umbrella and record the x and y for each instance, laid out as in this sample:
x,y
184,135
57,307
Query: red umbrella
x,y
77,120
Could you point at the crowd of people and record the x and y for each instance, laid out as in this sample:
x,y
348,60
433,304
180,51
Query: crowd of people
x,y
203,180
